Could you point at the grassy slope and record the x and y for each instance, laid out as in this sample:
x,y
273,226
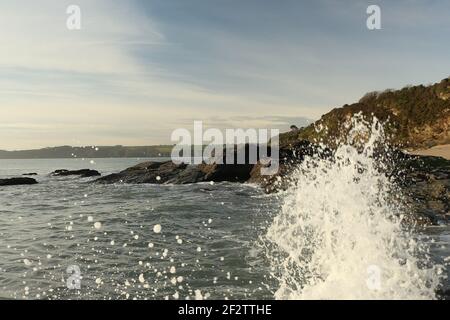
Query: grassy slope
x,y
417,116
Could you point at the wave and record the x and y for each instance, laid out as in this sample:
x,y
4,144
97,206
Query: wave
x,y
339,233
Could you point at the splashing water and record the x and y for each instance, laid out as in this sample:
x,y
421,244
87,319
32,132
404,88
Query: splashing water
x,y
339,234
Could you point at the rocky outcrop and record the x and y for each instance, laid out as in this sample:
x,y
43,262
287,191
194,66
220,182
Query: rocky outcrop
x,y
17,181
146,172
83,173
291,155
425,184
424,180
170,173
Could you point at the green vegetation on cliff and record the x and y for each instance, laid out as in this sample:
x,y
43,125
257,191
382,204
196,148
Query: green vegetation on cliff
x,y
415,117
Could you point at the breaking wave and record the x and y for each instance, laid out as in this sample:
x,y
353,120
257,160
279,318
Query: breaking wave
x,y
339,233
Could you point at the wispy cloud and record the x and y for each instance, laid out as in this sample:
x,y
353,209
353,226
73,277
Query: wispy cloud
x,y
35,36
139,69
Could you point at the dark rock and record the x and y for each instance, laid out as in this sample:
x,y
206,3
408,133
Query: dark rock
x,y
30,174
290,155
168,172
226,172
56,172
190,174
17,181
425,185
149,172
443,294
84,173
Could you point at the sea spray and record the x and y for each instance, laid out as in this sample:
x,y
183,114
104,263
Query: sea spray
x,y
339,233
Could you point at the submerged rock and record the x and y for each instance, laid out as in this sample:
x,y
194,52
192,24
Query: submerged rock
x,y
17,181
84,173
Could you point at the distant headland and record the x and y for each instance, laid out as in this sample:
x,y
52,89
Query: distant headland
x,y
90,152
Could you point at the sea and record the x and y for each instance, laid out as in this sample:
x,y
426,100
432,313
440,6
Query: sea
x,y
325,238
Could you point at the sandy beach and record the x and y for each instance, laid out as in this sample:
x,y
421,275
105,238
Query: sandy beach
x,y
437,151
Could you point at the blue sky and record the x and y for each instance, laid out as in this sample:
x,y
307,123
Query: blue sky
x,y
137,70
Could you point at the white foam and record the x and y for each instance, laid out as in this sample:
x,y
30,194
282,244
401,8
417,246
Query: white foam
x,y
339,233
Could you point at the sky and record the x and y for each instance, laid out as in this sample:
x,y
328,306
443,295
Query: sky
x,y
139,69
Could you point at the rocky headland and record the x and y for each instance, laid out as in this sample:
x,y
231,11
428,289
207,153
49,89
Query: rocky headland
x,y
415,117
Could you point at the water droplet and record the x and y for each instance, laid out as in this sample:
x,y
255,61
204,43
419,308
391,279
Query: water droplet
x,y
157,228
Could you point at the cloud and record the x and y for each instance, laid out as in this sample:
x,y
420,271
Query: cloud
x,y
139,69
281,123
36,37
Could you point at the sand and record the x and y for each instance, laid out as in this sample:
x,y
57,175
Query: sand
x,y
438,151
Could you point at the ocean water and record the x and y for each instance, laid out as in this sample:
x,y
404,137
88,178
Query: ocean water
x,y
66,238
206,242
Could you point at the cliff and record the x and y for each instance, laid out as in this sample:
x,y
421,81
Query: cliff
x,y
415,116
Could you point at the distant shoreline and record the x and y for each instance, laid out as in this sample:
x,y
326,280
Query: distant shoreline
x,y
91,152
163,158
436,151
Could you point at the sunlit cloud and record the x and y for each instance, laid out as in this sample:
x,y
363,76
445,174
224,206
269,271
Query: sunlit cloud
x,y
138,69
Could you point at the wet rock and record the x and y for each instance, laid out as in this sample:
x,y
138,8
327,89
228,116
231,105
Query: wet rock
x,y
189,174
290,156
149,172
17,181
425,185
226,172
84,173
443,294
30,174
170,173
